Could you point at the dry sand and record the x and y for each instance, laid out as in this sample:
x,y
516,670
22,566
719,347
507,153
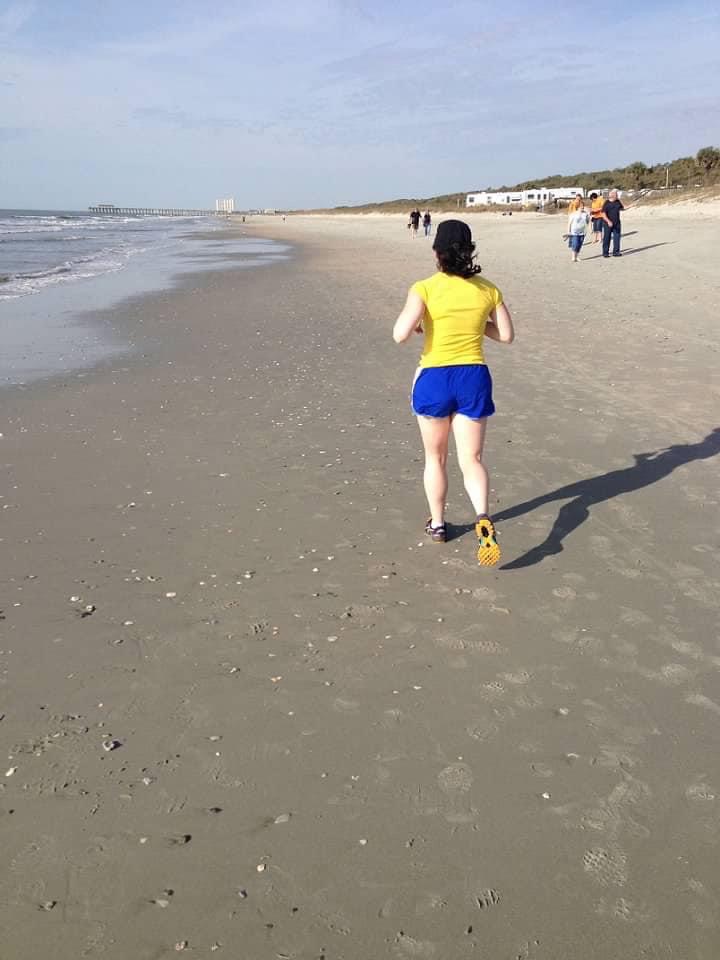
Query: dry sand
x,y
333,740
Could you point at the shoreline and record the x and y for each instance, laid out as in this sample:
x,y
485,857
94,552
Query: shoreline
x,y
64,330
324,736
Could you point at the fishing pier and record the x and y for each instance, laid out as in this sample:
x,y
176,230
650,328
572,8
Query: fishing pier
x,y
111,209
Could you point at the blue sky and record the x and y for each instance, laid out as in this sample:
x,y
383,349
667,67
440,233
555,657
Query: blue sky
x,y
295,103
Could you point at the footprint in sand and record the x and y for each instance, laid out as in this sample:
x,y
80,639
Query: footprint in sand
x,y
363,612
600,546
429,903
484,594
703,909
487,898
700,700
565,593
450,643
701,791
634,617
391,718
541,770
606,866
492,690
486,646
461,644
689,649
630,791
630,573
482,730
674,673
528,701
704,914
410,947
519,678
345,706
620,909
455,779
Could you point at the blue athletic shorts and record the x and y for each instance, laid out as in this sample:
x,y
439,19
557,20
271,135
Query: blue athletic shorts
x,y
597,225
443,391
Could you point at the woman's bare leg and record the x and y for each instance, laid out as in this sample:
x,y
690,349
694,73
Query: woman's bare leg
x,y
469,440
435,432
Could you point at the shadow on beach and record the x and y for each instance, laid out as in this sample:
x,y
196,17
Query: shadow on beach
x,y
630,250
584,494
647,469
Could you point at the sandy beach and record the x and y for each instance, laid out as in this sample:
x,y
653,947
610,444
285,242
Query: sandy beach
x,y
249,711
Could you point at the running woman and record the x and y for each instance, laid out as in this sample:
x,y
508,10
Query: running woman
x,y
455,309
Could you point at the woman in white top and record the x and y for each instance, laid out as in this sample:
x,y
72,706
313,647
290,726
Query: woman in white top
x,y
578,220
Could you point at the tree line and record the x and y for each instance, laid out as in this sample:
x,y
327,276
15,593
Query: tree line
x,y
701,170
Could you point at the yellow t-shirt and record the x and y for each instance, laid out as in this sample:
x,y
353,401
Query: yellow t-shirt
x,y
573,205
596,207
456,312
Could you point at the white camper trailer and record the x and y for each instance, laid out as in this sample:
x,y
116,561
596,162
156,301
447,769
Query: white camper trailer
x,y
534,196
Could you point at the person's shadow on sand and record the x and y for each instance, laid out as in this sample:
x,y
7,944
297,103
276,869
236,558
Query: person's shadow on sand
x,y
583,494
630,250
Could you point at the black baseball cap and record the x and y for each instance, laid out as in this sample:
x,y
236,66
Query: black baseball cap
x,y
452,232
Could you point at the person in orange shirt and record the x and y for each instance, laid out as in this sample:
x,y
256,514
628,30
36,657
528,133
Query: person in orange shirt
x,y
576,203
596,205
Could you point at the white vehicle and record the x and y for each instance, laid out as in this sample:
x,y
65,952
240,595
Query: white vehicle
x,y
566,193
534,196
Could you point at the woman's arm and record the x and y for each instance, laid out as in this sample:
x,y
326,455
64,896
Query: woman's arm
x,y
410,318
500,326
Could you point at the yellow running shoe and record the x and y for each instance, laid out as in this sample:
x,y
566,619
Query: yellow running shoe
x,y
488,553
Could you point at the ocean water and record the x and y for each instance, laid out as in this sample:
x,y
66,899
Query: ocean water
x,y
59,268
44,248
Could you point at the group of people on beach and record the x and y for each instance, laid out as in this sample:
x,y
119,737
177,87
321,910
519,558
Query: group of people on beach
x,y
414,222
604,215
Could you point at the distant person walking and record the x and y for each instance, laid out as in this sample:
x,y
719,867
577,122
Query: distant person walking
x,y
455,309
427,223
414,222
578,220
596,205
611,210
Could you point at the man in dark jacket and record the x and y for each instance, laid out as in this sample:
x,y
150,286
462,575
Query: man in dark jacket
x,y
611,215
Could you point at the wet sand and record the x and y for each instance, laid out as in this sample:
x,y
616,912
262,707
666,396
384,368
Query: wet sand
x,y
249,712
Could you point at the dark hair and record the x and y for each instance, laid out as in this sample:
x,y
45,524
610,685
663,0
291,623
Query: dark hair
x,y
458,260
593,196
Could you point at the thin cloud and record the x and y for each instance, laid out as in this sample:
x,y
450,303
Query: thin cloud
x,y
15,17
301,102
185,119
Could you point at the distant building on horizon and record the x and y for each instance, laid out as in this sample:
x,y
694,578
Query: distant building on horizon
x,y
535,196
225,206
